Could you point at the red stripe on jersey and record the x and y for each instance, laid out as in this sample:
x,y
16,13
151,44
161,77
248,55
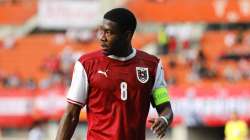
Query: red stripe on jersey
x,y
74,102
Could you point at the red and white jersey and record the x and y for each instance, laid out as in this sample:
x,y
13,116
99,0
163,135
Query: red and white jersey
x,y
117,93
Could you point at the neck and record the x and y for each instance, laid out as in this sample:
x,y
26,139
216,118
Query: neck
x,y
126,51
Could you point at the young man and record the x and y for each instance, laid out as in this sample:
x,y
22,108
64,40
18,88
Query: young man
x,y
117,85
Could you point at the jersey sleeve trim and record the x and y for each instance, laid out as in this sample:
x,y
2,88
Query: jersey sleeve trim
x,y
159,78
78,90
74,102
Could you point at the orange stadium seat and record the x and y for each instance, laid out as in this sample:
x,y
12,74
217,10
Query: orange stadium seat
x,y
172,11
213,43
28,54
21,11
180,72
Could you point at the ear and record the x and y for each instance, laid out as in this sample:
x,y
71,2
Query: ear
x,y
128,35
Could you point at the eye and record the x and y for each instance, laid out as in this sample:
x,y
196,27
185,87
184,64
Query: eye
x,y
108,32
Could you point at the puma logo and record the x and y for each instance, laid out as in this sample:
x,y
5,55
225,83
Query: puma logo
x,y
103,72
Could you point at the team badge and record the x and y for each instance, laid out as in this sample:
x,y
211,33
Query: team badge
x,y
142,74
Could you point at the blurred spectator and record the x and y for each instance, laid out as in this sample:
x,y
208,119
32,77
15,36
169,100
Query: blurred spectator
x,y
9,42
231,74
57,79
186,44
236,129
66,59
59,39
190,55
171,78
230,56
244,69
191,115
201,56
162,41
53,80
193,77
13,81
200,69
239,37
51,64
247,40
30,84
45,83
200,66
205,72
172,45
2,77
229,40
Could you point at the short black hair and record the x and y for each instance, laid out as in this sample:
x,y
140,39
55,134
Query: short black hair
x,y
123,17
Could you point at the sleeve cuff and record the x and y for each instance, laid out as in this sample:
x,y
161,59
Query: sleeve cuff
x,y
74,102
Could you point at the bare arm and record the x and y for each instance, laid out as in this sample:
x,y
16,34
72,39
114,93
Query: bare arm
x,y
166,111
161,100
68,122
161,124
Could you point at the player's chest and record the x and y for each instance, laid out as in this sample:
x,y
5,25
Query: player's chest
x,y
115,76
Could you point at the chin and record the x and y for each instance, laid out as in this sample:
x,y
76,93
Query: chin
x,y
106,52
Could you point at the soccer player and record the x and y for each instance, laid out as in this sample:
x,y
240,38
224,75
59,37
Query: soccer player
x,y
117,85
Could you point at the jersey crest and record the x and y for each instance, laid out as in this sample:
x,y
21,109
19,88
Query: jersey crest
x,y
142,74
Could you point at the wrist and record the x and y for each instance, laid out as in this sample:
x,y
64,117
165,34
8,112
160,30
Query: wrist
x,y
165,119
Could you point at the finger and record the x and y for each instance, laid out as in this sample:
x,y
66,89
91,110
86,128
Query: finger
x,y
161,136
159,128
162,131
155,124
152,121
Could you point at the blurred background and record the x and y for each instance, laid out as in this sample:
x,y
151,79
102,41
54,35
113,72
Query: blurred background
x,y
204,46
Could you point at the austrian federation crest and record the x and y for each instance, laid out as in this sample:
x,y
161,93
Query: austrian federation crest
x,y
142,74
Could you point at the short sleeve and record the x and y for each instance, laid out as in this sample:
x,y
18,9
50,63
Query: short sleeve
x,y
78,91
160,92
159,78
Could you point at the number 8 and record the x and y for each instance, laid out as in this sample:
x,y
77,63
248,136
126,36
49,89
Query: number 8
x,y
124,92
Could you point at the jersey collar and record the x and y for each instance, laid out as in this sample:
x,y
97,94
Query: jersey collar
x,y
132,55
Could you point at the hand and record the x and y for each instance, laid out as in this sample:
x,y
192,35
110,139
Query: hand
x,y
159,127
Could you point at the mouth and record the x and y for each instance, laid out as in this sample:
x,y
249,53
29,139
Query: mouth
x,y
106,50
105,47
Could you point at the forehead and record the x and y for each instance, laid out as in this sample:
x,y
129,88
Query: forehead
x,y
108,24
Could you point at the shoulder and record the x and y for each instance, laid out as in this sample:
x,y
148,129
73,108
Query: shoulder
x,y
242,122
147,57
90,56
